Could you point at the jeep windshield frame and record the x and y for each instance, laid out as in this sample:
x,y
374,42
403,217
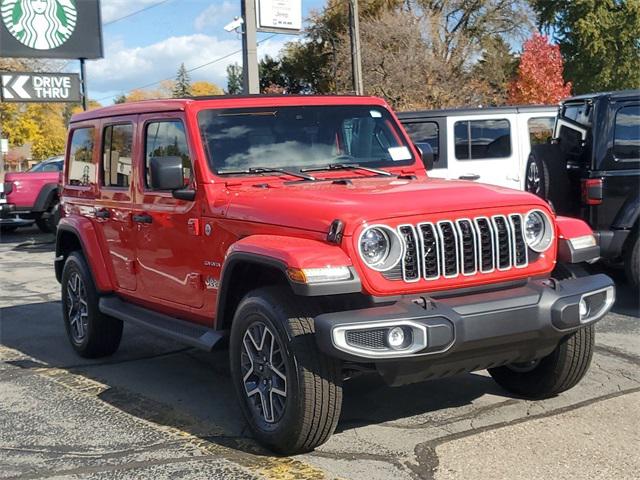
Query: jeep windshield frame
x,y
298,138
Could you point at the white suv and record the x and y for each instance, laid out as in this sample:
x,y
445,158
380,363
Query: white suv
x,y
488,145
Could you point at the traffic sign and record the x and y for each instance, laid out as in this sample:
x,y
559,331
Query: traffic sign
x,y
39,87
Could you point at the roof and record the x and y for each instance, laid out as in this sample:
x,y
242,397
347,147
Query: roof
x,y
220,101
456,112
615,95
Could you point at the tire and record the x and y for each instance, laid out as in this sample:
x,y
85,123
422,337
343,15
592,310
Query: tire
x,y
536,178
309,413
632,259
8,229
49,224
91,334
553,374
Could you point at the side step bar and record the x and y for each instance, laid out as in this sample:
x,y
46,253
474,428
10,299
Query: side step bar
x,y
185,332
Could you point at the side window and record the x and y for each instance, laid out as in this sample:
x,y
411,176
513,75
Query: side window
x,y
626,142
482,139
116,155
167,139
426,132
540,129
82,171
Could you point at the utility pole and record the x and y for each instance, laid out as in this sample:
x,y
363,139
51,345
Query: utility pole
x,y
356,59
250,77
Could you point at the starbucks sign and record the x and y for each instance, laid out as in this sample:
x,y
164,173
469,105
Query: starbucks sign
x,y
50,28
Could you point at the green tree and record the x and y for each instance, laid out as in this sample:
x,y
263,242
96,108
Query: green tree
x,y
182,84
497,67
234,79
598,39
122,98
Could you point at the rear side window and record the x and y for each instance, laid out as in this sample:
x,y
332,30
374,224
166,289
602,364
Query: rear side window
x,y
167,139
482,139
626,142
540,129
426,132
116,155
82,171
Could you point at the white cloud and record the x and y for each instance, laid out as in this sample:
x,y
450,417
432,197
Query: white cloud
x,y
124,69
216,15
114,9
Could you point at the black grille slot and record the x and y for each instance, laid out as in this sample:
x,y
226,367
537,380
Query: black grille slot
x,y
467,246
410,265
395,273
503,244
449,247
485,242
519,245
430,246
369,339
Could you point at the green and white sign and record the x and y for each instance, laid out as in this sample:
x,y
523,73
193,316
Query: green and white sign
x,y
40,24
50,28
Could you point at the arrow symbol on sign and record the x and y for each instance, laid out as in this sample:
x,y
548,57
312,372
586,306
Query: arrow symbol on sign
x,y
18,85
6,79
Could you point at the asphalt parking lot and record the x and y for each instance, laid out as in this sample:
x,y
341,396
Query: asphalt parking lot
x,y
159,410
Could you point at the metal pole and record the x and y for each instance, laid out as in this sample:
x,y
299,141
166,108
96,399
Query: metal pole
x,y
250,76
83,84
356,60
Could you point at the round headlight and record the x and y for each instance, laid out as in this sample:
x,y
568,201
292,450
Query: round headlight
x,y
380,247
538,231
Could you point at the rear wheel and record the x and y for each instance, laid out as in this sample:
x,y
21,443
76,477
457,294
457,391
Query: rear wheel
x,y
632,259
48,222
537,177
8,229
90,333
290,393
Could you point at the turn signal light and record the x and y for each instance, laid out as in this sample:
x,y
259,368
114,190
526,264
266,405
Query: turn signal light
x,y
592,191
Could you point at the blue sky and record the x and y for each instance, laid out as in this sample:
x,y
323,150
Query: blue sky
x,y
150,46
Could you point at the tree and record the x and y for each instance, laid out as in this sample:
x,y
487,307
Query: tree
x,y
182,85
539,79
201,89
234,79
496,68
598,40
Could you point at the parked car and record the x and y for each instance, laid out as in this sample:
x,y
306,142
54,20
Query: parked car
x,y
488,145
306,232
591,170
33,195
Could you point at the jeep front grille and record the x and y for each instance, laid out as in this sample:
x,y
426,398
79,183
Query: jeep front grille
x,y
467,246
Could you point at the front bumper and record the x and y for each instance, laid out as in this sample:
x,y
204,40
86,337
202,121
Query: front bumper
x,y
468,332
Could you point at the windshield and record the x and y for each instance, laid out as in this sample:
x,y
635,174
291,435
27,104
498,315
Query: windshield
x,y
302,137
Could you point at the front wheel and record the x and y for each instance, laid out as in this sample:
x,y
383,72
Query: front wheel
x,y
632,259
290,393
48,222
553,374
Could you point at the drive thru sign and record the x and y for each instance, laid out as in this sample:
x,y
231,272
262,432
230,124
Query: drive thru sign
x,y
40,87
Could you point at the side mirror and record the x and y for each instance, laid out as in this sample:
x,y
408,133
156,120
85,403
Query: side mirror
x,y
427,154
166,173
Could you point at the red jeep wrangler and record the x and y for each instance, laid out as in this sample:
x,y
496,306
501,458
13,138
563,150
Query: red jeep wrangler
x,y
306,232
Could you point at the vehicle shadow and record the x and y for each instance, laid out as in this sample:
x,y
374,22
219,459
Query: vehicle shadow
x,y
29,240
163,382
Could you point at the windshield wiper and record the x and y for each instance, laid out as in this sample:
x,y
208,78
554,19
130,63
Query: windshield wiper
x,y
347,166
266,170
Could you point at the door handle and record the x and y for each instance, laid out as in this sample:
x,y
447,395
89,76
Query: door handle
x,y
469,176
102,213
142,218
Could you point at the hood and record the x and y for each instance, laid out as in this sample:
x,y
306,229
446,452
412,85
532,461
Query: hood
x,y
314,205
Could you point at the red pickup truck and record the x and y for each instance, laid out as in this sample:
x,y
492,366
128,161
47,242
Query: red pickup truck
x,y
32,195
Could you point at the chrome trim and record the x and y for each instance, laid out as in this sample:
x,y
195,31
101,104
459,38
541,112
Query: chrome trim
x,y
493,242
423,253
549,223
609,300
388,229
497,243
461,246
513,234
443,257
404,252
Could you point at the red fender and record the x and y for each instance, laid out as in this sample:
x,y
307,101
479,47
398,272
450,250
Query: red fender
x,y
572,228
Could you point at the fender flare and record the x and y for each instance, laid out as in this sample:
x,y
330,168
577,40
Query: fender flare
x,y
83,230
280,253
47,193
628,215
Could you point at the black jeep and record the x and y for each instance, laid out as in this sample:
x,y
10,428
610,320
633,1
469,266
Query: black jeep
x,y
591,170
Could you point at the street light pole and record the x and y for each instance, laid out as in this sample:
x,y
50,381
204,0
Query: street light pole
x,y
356,59
250,76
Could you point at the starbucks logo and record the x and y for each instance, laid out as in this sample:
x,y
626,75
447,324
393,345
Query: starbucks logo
x,y
39,24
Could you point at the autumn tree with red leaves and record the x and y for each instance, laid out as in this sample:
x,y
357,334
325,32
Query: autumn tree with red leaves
x,y
539,79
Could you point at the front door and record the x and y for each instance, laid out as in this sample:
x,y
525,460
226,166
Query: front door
x,y
112,214
169,248
483,149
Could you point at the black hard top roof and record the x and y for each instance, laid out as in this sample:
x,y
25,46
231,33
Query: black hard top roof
x,y
616,95
456,112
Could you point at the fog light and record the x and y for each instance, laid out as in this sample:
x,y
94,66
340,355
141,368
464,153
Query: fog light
x,y
395,338
584,308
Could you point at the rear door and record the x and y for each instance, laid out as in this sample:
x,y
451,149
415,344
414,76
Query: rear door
x,y
114,204
482,148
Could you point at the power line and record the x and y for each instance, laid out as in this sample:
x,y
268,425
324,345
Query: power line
x,y
198,67
149,7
